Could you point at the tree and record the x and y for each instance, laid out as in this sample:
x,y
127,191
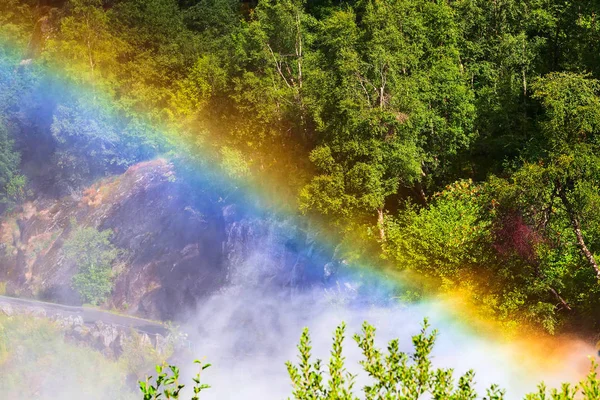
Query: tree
x,y
393,108
93,254
571,128
12,184
16,23
282,32
85,45
369,115
93,138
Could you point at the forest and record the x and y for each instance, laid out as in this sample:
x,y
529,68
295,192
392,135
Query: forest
x,y
455,143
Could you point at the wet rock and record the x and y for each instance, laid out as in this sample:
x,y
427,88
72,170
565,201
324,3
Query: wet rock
x,y
119,344
69,322
145,340
109,353
181,246
109,339
80,332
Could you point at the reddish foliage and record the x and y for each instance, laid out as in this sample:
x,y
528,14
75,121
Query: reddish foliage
x,y
514,236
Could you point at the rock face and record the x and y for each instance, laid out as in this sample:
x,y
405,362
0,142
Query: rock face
x,y
172,256
179,245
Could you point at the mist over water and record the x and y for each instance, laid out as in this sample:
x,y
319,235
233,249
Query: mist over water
x,y
249,334
251,328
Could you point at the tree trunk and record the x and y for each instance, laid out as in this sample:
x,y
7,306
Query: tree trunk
x,y
587,254
418,188
559,298
380,224
541,276
299,49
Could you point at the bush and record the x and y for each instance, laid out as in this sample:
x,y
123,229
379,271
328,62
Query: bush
x,y
93,254
139,356
16,189
167,383
394,375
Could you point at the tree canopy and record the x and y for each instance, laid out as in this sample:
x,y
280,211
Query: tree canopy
x,y
456,140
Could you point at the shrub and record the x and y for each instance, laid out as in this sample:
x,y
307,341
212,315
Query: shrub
x,y
167,383
394,375
139,356
93,253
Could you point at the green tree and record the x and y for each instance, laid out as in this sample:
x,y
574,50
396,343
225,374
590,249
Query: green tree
x,y
93,254
571,127
84,45
557,190
393,108
347,110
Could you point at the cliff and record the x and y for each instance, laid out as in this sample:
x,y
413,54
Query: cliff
x,y
172,249
177,246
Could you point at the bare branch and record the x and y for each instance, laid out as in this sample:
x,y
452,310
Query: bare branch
x,y
278,66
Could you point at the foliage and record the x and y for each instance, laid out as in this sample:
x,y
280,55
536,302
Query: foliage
x,y
12,183
34,350
445,236
167,383
93,254
392,374
395,374
455,140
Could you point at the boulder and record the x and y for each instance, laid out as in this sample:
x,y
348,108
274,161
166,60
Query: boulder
x,y
174,257
105,334
69,321
80,332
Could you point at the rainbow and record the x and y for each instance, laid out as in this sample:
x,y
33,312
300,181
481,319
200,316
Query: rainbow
x,y
532,353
